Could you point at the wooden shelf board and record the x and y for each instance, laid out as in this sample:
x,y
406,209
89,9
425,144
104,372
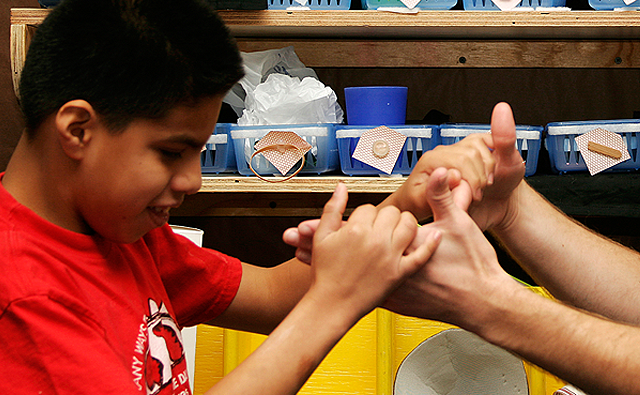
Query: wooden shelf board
x,y
425,24
317,184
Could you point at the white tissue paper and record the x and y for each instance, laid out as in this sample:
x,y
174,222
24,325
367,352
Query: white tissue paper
x,y
283,99
305,95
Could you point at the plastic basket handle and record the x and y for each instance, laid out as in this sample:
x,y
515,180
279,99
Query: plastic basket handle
x,y
277,146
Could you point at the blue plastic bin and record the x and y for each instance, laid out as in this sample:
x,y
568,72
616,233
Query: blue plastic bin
x,y
322,158
528,140
433,5
564,153
219,156
420,138
311,4
488,5
610,5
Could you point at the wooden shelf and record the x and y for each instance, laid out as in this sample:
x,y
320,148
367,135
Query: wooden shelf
x,y
425,24
362,39
318,184
441,39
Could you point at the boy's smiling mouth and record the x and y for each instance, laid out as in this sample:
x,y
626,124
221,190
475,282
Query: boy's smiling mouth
x,y
159,214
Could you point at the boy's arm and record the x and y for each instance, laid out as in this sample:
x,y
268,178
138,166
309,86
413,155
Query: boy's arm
x,y
463,284
354,267
265,296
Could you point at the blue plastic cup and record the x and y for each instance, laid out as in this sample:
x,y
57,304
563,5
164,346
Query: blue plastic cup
x,y
376,105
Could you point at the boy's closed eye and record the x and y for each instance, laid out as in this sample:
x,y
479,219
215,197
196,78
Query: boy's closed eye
x,y
171,154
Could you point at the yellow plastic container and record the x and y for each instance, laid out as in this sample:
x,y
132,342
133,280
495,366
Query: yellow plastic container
x,y
364,362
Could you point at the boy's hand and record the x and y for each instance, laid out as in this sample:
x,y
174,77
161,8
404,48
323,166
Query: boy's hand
x,y
470,160
301,237
463,268
362,261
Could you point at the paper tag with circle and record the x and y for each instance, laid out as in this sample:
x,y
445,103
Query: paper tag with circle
x,y
282,149
380,148
602,149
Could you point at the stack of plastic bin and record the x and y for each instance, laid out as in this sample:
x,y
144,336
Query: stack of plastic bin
x,y
322,158
420,138
564,153
489,5
218,155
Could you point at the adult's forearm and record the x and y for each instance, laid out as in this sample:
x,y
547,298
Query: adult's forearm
x,y
593,353
574,263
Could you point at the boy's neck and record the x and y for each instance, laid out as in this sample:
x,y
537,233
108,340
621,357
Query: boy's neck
x,y
39,179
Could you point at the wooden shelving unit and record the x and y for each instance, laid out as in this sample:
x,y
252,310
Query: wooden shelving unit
x,y
428,39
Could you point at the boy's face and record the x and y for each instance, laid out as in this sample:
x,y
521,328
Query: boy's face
x,y
131,180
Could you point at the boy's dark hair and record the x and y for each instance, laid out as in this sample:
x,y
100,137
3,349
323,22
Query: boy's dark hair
x,y
128,58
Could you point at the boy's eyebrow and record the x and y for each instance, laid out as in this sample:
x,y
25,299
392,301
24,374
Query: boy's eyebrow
x,y
186,140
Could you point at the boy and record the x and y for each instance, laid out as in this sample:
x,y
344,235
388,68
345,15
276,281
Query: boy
x,y
119,98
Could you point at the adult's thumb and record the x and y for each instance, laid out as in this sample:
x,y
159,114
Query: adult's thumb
x,y
439,195
503,130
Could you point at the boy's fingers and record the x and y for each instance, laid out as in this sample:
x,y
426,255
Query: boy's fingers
x,y
309,227
405,231
304,256
417,258
462,196
333,212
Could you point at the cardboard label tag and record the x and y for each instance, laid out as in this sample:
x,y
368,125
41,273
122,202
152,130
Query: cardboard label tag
x,y
282,149
602,149
506,5
380,148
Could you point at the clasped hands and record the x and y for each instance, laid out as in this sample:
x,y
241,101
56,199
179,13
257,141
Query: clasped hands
x,y
466,188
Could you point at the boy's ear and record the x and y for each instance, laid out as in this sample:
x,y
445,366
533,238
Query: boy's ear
x,y
75,123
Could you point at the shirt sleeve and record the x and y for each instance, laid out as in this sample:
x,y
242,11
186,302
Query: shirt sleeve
x,y
201,283
50,346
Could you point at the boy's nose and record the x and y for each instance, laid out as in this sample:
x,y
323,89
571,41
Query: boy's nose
x,y
189,179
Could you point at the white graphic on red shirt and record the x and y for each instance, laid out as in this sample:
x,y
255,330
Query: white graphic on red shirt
x,y
161,367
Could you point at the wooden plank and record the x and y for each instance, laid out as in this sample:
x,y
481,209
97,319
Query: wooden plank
x,y
425,24
301,184
457,53
20,39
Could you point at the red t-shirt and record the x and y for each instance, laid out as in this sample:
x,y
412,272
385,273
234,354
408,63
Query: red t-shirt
x,y
83,315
